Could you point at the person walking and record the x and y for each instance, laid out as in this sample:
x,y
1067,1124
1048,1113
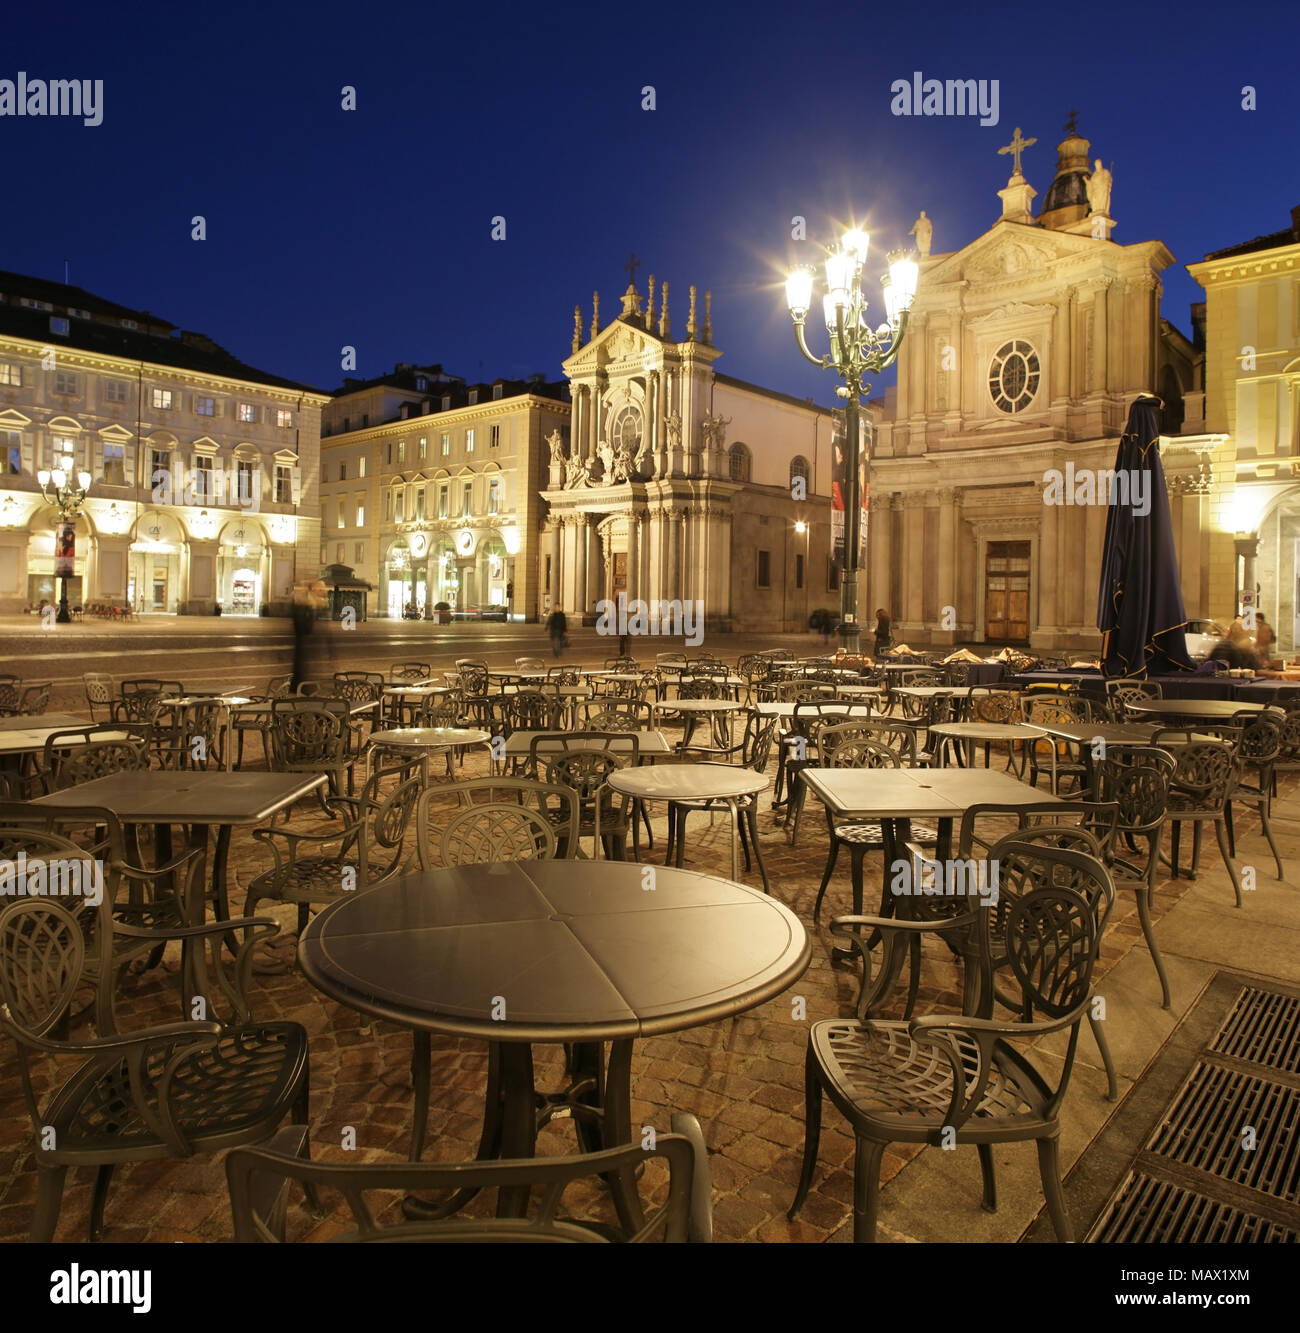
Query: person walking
x,y
305,605
557,627
882,630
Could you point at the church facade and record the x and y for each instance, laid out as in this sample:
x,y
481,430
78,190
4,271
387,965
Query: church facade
x,y
1025,350
677,483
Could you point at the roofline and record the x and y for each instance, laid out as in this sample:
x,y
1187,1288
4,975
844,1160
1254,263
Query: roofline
x,y
288,387
404,424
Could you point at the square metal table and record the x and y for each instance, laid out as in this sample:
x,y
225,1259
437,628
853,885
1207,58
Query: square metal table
x,y
199,800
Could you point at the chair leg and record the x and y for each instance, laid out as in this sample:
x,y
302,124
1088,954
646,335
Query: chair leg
x,y
750,816
744,840
1268,833
866,1190
826,879
1103,1047
1232,833
1148,931
812,1129
1227,860
49,1198
95,1228
1049,1168
990,1200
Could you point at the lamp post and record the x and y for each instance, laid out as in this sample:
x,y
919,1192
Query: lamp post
x,y
58,490
856,350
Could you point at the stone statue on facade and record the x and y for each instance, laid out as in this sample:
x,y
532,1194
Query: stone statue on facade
x,y
624,467
576,473
606,456
923,230
1099,184
556,441
714,430
673,428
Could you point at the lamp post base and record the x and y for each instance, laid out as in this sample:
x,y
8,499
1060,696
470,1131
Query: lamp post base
x,y
850,629
65,616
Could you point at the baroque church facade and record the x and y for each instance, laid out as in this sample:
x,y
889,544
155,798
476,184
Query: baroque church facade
x,y
1025,350
679,483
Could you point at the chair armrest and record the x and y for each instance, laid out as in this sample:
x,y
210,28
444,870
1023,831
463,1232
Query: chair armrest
x,y
105,1045
699,1228
194,932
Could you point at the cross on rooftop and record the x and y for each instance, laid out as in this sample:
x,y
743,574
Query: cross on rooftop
x,y
1015,148
1070,123
633,263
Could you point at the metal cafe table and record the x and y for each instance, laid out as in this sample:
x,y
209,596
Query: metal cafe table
x,y
970,732
423,741
551,951
698,782
650,744
1201,710
199,799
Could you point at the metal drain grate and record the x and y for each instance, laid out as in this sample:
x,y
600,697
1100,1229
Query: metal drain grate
x,y
1264,1028
1236,1127
1155,1211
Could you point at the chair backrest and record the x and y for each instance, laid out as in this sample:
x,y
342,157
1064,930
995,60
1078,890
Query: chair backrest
x,y
278,687
531,710
1136,779
682,1216
894,734
34,699
623,715
498,819
1204,773
473,679
756,744
360,688
99,690
42,954
1098,819
1045,926
386,819
586,772
620,664
854,749
409,671
701,687
85,753
306,733
439,710
530,664
563,675
1261,736
999,706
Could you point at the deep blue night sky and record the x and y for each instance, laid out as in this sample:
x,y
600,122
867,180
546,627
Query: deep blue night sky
x,y
371,228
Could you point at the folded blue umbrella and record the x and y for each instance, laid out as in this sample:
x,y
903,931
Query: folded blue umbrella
x,y
1140,608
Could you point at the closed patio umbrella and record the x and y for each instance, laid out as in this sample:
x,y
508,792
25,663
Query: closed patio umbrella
x,y
1140,603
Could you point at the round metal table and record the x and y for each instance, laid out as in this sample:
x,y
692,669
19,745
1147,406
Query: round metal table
x,y
726,783
425,741
552,951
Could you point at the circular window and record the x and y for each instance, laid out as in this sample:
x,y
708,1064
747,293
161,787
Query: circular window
x,y
626,430
1013,376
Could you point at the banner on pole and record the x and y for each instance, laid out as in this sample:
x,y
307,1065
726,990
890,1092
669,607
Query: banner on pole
x,y
65,551
840,485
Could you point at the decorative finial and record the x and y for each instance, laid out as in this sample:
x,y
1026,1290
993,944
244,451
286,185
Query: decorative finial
x,y
665,328
690,318
1015,148
633,263
595,313
1071,127
708,317
650,307
577,327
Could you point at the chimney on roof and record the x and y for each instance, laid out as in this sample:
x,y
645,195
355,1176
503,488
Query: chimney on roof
x,y
1295,222
200,341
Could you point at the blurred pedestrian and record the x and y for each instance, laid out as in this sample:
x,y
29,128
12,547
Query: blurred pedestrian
x,y
558,628
882,630
306,604
1264,639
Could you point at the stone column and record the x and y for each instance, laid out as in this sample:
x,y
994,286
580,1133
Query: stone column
x,y
1247,547
557,560
910,612
597,407
947,580
1049,577
878,553
676,523
1094,537
1100,347
576,422
580,530
725,559
633,555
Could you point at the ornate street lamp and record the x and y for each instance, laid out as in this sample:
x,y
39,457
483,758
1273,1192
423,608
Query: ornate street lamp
x,y
58,490
856,350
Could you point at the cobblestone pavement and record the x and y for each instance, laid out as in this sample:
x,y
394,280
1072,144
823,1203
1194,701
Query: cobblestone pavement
x,y
743,1078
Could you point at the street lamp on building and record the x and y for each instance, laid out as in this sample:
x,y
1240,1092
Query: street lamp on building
x,y
857,350
58,489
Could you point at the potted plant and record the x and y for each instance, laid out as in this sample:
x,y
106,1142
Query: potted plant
x,y
442,613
